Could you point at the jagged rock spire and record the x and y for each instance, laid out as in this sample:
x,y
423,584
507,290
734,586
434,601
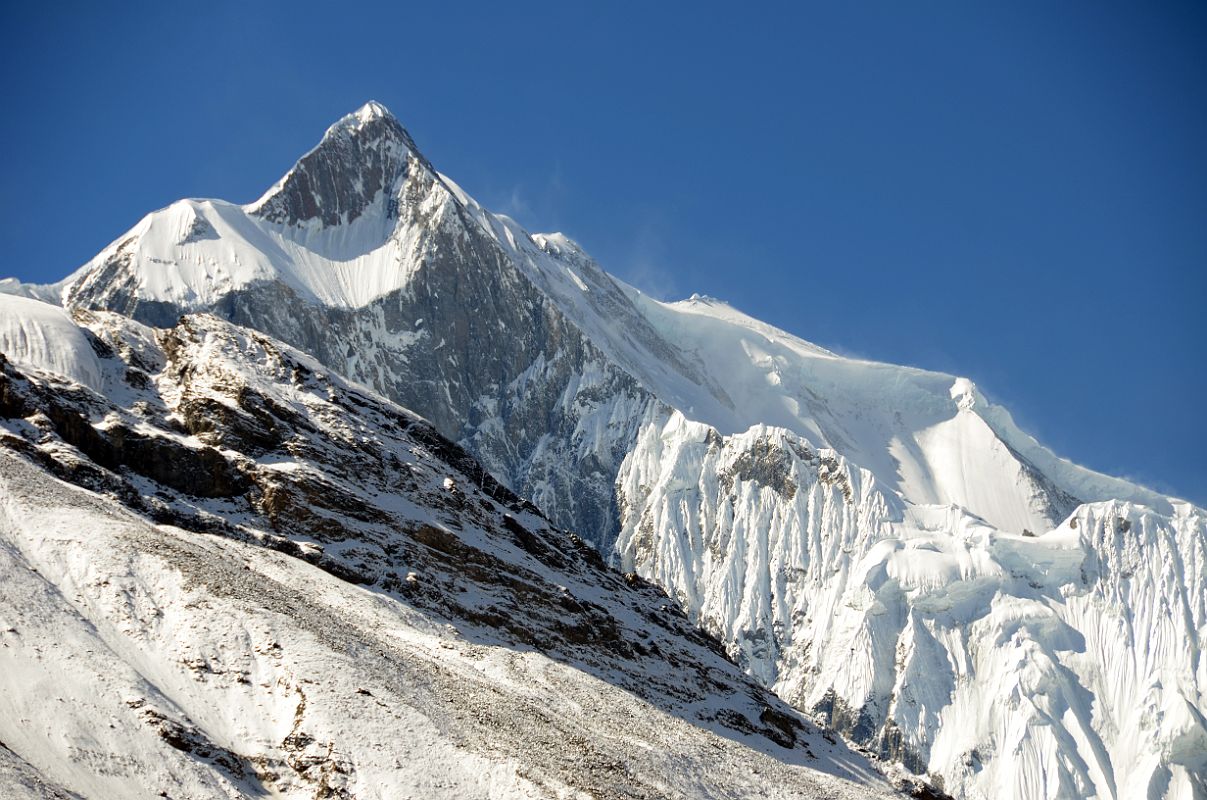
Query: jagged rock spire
x,y
359,158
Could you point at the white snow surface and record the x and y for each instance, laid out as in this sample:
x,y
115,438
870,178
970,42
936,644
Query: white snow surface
x,y
345,266
928,436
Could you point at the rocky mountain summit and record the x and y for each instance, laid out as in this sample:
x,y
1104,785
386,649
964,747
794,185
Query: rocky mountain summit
x,y
369,260
880,545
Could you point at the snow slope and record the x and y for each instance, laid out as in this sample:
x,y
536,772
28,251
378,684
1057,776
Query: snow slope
x,y
39,336
928,436
252,578
823,515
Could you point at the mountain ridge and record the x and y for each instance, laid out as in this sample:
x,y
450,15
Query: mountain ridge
x,y
724,458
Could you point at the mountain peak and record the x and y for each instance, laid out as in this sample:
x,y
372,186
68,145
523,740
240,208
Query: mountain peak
x,y
372,119
357,164
373,110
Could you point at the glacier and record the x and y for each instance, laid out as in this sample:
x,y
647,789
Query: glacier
x,y
881,545
1059,664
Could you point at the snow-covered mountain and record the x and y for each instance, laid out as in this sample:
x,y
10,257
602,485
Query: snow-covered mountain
x,y
368,259
228,572
880,544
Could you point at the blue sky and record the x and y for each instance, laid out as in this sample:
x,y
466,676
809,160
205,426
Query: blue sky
x,y
1016,192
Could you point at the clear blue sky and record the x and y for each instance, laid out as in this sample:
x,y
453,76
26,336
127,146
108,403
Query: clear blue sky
x,y
1016,192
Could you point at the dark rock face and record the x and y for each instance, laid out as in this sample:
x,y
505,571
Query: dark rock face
x,y
361,156
767,463
866,726
1057,503
199,230
198,471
